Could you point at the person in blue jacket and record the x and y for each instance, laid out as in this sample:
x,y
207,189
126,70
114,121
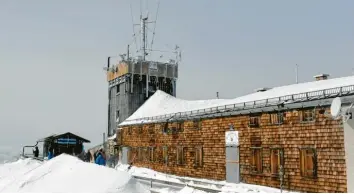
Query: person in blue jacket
x,y
101,159
50,153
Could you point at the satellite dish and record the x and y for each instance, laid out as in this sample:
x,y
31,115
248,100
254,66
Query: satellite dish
x,y
336,107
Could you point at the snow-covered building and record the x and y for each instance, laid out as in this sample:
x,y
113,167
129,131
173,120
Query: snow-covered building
x,y
279,137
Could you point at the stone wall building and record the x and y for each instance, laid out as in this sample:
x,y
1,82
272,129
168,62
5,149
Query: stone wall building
x,y
286,137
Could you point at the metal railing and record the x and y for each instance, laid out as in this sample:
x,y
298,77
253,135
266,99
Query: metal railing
x,y
293,98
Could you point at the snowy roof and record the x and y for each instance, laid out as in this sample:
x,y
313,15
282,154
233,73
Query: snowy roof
x,y
112,137
162,103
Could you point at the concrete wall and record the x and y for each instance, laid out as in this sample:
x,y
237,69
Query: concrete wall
x,y
324,134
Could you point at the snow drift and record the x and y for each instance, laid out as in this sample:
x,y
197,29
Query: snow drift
x,y
64,173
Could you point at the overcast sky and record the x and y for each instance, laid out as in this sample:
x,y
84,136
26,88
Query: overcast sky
x,y
52,54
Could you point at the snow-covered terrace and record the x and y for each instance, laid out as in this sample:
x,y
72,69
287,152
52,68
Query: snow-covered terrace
x,y
162,106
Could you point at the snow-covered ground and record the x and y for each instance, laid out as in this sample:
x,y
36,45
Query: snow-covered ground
x,y
68,174
64,174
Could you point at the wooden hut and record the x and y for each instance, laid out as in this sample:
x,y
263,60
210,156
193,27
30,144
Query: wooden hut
x,y
67,143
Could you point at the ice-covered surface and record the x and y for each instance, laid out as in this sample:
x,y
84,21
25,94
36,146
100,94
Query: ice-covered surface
x,y
64,174
225,187
162,103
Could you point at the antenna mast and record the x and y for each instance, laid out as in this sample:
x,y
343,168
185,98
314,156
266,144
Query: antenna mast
x,y
143,36
296,72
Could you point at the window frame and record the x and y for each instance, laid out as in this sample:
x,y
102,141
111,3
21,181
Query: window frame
x,y
304,171
305,111
279,118
280,160
254,118
197,124
254,164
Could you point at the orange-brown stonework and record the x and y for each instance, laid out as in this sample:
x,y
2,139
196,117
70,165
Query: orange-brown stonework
x,y
322,169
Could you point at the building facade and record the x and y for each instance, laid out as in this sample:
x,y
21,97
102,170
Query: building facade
x,y
295,145
308,145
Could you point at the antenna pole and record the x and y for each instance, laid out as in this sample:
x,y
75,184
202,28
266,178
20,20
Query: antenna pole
x,y
296,72
128,53
143,36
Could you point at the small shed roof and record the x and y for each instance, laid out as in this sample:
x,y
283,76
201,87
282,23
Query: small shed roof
x,y
67,134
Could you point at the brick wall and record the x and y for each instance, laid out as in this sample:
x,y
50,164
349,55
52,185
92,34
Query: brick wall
x,y
323,135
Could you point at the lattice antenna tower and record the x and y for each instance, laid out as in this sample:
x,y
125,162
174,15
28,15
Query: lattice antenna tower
x,y
146,48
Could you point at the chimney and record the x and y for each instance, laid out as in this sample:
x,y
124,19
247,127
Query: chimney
x,y
321,77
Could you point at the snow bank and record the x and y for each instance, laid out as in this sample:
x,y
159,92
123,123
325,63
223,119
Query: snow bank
x,y
187,189
212,184
64,173
162,103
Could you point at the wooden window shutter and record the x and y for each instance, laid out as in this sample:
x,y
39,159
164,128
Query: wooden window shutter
x,y
165,154
151,154
257,165
275,161
198,156
180,155
308,162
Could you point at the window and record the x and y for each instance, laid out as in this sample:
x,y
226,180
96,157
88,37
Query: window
x,y
174,130
180,126
276,160
140,129
308,162
307,115
198,156
256,160
118,88
140,154
197,124
117,116
254,121
130,130
164,128
165,154
130,155
145,154
277,118
180,155
151,129
151,154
